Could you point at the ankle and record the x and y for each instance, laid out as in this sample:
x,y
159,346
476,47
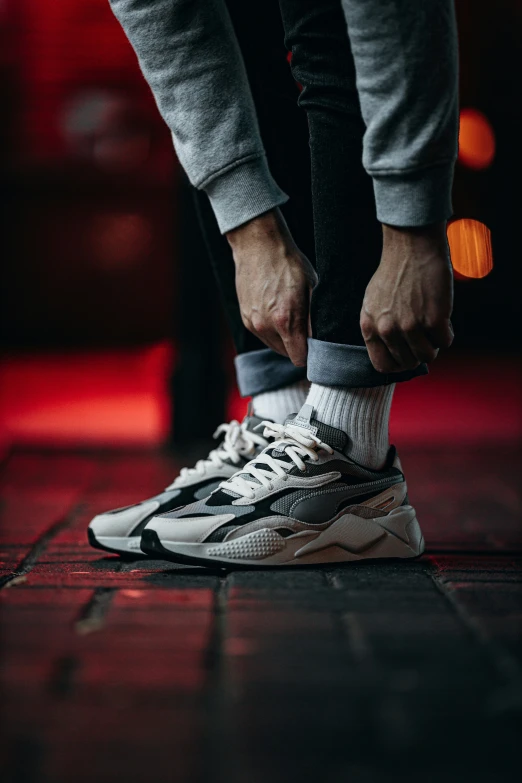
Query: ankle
x,y
362,414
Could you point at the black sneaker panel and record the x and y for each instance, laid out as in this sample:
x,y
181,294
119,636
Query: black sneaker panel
x,y
221,498
172,499
219,534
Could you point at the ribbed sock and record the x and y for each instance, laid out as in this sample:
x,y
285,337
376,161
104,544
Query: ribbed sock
x,y
279,404
363,414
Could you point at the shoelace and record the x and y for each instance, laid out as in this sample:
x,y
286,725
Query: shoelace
x,y
238,442
293,441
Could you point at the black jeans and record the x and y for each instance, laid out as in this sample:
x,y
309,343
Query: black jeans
x,y
316,156
348,237
284,131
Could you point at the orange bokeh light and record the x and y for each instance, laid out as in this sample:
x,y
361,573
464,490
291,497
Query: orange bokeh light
x,y
476,140
470,247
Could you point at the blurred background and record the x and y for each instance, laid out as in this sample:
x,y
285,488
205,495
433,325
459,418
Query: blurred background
x,y
99,254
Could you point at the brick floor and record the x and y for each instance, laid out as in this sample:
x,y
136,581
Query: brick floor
x,y
143,671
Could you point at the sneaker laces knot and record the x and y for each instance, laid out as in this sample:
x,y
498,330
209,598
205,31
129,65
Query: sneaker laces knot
x,y
239,442
294,441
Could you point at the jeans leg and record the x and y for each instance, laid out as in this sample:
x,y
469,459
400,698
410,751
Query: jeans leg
x,y
258,368
348,237
285,136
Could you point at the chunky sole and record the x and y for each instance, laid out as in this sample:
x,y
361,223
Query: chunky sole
x,y
118,545
349,538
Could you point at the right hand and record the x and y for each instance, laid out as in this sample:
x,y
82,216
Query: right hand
x,y
274,283
405,317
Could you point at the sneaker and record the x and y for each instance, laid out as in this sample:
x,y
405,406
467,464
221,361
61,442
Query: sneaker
x,y
301,501
120,530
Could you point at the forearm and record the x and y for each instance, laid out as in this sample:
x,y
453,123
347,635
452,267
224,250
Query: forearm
x,y
405,54
189,56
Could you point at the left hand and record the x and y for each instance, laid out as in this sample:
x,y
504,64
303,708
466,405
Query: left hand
x,y
405,317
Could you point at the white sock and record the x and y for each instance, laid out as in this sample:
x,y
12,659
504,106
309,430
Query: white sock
x,y
279,404
363,414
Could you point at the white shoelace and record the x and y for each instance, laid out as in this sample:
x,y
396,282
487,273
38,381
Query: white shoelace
x,y
293,441
238,442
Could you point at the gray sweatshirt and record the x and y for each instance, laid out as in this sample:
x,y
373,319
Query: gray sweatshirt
x,y
405,54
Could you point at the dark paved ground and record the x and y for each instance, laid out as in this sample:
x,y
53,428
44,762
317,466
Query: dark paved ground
x,y
140,671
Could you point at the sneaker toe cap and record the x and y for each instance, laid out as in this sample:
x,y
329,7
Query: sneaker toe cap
x,y
123,521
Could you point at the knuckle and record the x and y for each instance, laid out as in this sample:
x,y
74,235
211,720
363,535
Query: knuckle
x,y
379,360
366,325
281,321
258,324
409,326
433,322
386,327
386,331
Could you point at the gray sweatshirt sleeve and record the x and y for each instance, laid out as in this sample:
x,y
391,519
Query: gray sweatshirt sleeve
x,y
405,54
189,55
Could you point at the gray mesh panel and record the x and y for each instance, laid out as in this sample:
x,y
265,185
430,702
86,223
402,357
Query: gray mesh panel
x,y
284,504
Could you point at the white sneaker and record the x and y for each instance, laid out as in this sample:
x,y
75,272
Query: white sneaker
x,y
301,501
120,530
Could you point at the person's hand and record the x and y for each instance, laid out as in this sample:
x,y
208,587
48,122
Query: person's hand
x,y
274,282
405,317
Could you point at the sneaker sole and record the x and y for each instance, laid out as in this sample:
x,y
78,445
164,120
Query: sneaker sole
x,y
349,539
117,545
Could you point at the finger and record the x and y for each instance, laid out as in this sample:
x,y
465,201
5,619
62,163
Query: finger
x,y
420,346
269,337
399,350
292,325
297,348
380,356
440,335
264,331
274,341
295,337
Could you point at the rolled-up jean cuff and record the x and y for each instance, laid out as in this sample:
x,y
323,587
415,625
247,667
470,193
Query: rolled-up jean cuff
x,y
335,364
265,370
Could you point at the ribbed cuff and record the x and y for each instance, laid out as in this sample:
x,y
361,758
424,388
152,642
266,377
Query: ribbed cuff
x,y
243,192
414,198
336,364
265,370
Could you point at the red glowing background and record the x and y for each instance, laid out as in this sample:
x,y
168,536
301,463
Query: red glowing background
x,y
92,220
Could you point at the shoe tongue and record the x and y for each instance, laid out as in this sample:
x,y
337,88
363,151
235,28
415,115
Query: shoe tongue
x,y
305,420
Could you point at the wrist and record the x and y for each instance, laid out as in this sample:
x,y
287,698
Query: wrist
x,y
269,228
432,237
